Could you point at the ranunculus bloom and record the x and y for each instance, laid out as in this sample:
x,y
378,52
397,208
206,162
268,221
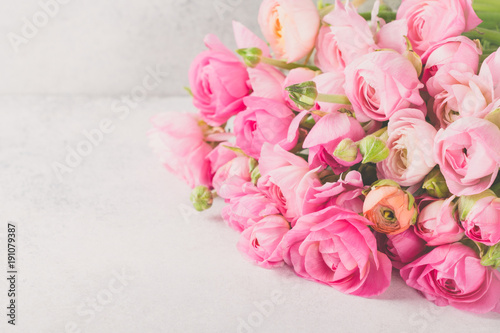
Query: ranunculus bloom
x,y
380,83
247,209
335,247
346,39
431,21
344,193
459,93
455,49
295,76
482,224
411,145
285,178
468,156
229,178
438,224
290,26
219,82
265,120
401,248
179,142
326,135
261,242
388,208
491,68
331,84
453,275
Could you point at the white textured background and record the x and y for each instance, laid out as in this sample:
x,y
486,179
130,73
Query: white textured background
x,y
104,47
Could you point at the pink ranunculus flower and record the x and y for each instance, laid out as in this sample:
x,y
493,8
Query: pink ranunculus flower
x,y
455,49
468,156
295,76
432,21
290,26
248,208
491,68
411,145
261,242
326,135
401,248
335,247
459,93
349,37
264,121
438,224
482,224
285,178
179,142
328,56
219,82
344,193
453,275
331,83
229,178
380,83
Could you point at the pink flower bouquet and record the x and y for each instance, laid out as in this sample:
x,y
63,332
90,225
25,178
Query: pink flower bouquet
x,y
347,145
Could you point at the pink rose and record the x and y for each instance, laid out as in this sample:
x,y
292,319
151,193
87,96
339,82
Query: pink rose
x,y
482,223
453,275
326,135
431,21
179,142
331,84
295,76
290,26
380,83
344,193
468,156
455,49
264,121
349,38
261,243
335,247
411,142
247,209
401,248
437,223
219,82
285,178
459,93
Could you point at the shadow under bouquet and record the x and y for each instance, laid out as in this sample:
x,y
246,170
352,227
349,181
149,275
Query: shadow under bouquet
x,y
348,144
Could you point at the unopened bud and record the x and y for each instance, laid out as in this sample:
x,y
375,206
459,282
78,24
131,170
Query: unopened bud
x,y
467,202
435,184
202,198
304,94
373,149
413,57
494,117
347,151
492,257
255,175
251,56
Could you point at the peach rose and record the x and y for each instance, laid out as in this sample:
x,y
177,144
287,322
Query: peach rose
x,y
388,207
290,26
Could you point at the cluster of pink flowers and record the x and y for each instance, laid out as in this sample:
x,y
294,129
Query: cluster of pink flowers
x,y
346,147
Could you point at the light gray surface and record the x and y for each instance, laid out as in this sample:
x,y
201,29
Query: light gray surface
x,y
105,47
120,210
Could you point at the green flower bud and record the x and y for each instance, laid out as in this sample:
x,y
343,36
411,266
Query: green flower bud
x,y
202,198
304,94
251,56
435,184
373,149
347,151
466,203
492,257
413,57
494,117
255,175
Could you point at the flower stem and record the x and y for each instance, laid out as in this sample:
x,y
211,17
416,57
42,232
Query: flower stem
x,y
387,16
284,65
486,34
335,99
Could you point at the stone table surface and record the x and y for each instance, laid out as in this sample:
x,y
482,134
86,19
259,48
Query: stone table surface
x,y
107,242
